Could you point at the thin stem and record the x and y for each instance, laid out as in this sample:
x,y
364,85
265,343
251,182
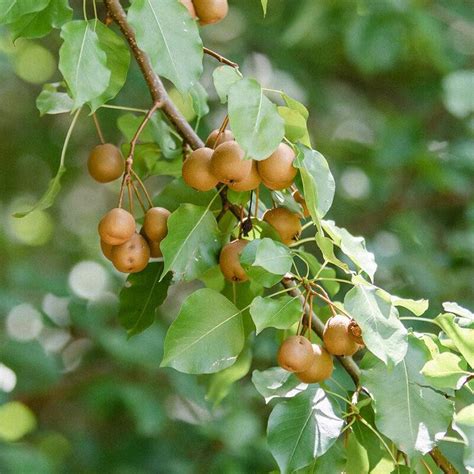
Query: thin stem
x,y
323,266
334,394
426,320
98,128
124,108
379,437
137,194
308,224
220,58
257,197
140,182
303,241
234,292
340,280
68,138
130,197
84,9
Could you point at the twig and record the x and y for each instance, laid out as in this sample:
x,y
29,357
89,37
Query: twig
x,y
220,58
98,128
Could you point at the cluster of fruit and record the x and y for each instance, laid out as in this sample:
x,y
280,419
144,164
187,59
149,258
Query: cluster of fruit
x,y
208,11
120,242
312,363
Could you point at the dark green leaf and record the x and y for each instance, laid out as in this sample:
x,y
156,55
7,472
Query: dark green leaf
x,y
12,10
280,313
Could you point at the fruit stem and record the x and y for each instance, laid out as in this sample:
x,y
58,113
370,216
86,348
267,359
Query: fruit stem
x,y
98,128
137,194
222,128
302,241
124,108
130,197
140,182
220,58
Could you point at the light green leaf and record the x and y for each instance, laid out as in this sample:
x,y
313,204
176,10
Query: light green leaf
x,y
466,317
401,393
353,247
16,420
224,78
264,6
417,307
167,34
206,337
303,428
318,181
458,97
464,424
357,456
199,98
326,246
280,313
446,370
83,62
12,10
295,125
295,105
384,334
142,293
39,23
51,101
254,119
277,383
118,62
192,244
462,338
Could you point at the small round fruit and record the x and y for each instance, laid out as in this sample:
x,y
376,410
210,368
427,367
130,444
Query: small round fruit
x,y
295,354
190,6
117,226
225,136
278,168
285,222
155,224
132,256
229,261
228,164
197,171
336,337
106,249
252,181
211,11
301,201
105,163
278,186
321,366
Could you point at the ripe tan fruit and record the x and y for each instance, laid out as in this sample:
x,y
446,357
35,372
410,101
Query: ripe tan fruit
x,y
277,170
336,337
155,224
197,171
211,11
117,226
321,366
295,354
132,256
301,201
228,164
285,222
190,6
106,249
155,250
225,136
252,181
229,261
105,163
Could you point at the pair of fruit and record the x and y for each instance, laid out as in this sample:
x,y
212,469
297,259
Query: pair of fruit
x,y
128,250
208,11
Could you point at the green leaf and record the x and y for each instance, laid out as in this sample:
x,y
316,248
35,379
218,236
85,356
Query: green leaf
x,y
264,6
295,125
142,293
51,101
446,370
206,337
165,32
83,62
401,393
224,78
326,245
353,247
318,181
295,105
277,383
254,119
222,382
118,62
303,428
16,420
384,334
199,98
417,307
357,456
466,317
334,460
193,242
39,23
462,338
280,313
457,93
464,424
12,10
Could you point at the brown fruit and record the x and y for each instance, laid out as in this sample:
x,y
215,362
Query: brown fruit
x,y
355,332
285,222
105,163
106,249
295,354
210,11
321,366
252,181
117,226
155,251
229,261
225,136
132,256
190,6
197,171
301,201
155,226
228,164
277,170
336,337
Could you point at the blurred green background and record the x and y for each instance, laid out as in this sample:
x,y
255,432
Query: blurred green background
x,y
390,88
